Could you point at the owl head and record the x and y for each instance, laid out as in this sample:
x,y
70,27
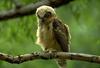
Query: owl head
x,y
44,12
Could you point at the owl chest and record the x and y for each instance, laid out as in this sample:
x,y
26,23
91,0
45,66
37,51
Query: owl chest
x,y
46,34
47,39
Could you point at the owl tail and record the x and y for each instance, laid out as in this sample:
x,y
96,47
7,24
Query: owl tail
x,y
61,63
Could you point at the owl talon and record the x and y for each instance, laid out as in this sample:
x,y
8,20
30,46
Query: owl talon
x,y
50,50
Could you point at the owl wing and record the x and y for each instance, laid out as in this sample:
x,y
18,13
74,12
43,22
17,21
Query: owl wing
x,y
61,33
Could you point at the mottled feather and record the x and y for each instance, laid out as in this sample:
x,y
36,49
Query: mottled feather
x,y
61,32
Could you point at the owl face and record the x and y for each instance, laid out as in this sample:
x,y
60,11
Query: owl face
x,y
45,12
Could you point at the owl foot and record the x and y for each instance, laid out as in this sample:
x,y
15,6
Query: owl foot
x,y
50,50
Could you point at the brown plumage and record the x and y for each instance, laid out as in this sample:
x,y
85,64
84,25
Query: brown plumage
x,y
61,32
52,34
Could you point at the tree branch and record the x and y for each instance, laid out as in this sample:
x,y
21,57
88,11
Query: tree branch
x,y
17,3
30,9
55,55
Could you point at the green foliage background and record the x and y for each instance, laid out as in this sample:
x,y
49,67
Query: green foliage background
x,y
18,36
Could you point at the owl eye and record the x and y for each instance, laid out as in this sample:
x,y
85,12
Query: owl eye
x,y
48,14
